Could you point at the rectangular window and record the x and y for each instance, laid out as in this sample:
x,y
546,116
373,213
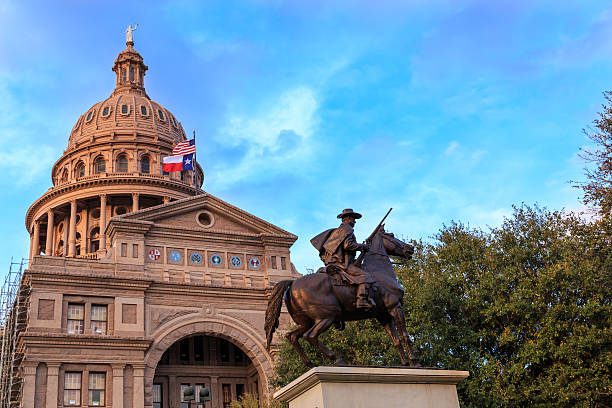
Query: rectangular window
x,y
283,263
134,250
198,387
273,263
76,315
239,391
99,318
184,404
72,388
227,395
156,395
123,249
97,386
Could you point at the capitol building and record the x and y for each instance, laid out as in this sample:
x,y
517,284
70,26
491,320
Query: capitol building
x,y
139,283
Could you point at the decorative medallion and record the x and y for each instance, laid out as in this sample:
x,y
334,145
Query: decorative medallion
x,y
196,258
236,261
216,260
154,254
175,256
255,262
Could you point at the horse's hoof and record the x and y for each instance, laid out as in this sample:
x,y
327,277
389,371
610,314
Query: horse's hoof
x,y
340,362
414,364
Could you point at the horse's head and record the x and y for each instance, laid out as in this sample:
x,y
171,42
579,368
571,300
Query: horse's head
x,y
396,247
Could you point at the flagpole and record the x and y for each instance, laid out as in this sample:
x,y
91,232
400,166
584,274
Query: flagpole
x,y
195,168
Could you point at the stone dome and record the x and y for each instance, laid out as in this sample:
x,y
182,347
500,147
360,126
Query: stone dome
x,y
124,112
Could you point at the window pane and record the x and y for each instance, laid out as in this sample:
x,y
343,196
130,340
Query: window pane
x,y
72,381
72,397
122,164
98,327
100,165
75,327
96,398
157,393
97,381
124,109
145,165
143,110
98,312
76,311
183,403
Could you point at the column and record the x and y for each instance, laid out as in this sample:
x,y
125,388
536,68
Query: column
x,y
118,385
52,384
135,197
72,231
103,221
49,246
173,393
29,384
35,250
216,392
65,237
138,389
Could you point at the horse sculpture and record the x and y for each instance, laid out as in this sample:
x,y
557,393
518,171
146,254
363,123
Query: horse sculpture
x,y
317,301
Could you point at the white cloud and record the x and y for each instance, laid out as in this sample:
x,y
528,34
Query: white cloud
x,y
451,148
273,140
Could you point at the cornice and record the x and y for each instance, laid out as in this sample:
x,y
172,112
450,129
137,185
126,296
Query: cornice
x,y
165,289
80,340
89,279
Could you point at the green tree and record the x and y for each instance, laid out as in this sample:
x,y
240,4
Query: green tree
x,y
598,187
525,308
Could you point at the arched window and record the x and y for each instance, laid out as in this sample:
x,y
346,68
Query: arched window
x,y
122,163
132,74
64,177
145,165
99,165
94,237
123,75
79,170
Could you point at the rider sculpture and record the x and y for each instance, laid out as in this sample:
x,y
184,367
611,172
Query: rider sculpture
x,y
337,249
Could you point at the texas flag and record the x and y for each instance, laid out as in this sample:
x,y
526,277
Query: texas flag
x,y
178,163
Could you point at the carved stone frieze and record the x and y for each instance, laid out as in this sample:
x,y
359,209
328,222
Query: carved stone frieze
x,y
161,316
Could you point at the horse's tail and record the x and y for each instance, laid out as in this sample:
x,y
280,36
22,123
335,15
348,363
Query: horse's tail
x,y
274,308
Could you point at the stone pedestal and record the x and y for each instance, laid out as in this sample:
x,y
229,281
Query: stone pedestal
x,y
366,387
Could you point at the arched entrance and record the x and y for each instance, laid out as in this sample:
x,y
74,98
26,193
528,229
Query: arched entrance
x,y
221,353
203,361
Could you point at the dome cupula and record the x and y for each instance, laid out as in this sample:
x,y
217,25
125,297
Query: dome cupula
x,y
112,165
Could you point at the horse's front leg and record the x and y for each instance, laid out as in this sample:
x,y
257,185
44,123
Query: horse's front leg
x,y
312,336
400,322
390,328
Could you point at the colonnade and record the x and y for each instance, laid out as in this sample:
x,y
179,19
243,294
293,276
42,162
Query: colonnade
x,y
69,233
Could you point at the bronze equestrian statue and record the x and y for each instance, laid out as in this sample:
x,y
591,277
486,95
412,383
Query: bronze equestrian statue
x,y
338,292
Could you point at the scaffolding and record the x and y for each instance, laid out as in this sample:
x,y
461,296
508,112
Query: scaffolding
x,y
14,309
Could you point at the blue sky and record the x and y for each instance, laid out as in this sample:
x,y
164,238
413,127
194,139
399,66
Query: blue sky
x,y
443,110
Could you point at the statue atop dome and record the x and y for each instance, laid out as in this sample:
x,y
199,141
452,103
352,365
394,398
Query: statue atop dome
x,y
128,34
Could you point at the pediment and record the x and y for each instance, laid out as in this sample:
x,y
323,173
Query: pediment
x,y
206,212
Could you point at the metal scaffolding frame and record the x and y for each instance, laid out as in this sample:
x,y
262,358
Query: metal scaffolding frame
x,y
14,310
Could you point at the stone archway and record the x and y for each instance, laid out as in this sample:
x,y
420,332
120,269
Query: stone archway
x,y
226,328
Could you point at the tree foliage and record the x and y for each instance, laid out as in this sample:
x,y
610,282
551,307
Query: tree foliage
x,y
525,308
598,188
